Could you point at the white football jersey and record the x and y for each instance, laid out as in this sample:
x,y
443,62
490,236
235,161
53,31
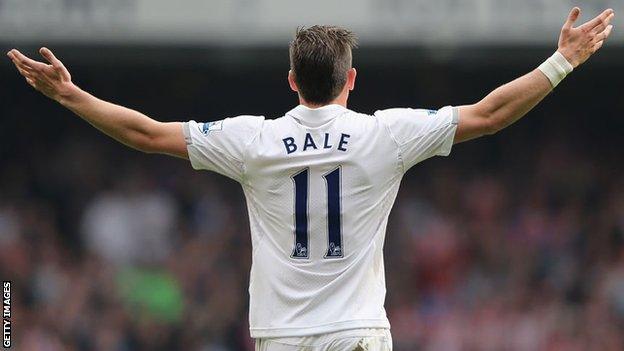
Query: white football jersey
x,y
319,185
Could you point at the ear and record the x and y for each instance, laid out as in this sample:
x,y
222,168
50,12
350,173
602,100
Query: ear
x,y
351,74
291,81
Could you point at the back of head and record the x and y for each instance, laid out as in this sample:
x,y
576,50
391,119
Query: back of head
x,y
320,57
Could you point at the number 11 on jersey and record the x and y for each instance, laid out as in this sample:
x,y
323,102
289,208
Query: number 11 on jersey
x,y
334,228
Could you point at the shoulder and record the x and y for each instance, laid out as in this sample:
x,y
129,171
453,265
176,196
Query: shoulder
x,y
404,112
244,122
406,124
225,133
397,117
240,125
358,118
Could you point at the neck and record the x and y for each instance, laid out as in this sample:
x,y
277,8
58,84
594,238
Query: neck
x,y
340,100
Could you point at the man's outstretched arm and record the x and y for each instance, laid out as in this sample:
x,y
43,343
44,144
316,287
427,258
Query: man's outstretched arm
x,y
127,126
513,100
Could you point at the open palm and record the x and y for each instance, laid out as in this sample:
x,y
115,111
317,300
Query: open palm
x,y
53,79
577,44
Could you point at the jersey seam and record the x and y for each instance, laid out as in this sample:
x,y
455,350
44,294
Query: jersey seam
x,y
246,149
425,134
399,153
193,142
222,153
263,235
454,120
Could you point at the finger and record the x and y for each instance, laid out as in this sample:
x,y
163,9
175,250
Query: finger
x,y
598,45
597,20
572,17
15,61
56,63
25,61
31,82
24,72
48,55
603,24
604,35
19,65
20,59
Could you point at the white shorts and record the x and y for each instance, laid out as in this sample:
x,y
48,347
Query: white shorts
x,y
346,340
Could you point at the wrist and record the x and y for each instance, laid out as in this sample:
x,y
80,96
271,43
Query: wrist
x,y
568,56
556,68
69,95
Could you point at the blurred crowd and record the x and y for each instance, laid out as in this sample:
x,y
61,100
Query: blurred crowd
x,y
512,243
530,257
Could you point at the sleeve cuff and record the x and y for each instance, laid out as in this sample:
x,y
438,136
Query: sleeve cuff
x,y
455,115
445,150
190,148
187,133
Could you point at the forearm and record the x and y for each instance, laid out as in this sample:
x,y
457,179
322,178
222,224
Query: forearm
x,y
512,101
125,125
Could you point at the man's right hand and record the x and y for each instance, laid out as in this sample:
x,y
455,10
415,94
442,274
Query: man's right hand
x,y
578,44
53,80
127,126
513,100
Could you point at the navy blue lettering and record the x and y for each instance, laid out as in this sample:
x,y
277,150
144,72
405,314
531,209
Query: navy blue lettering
x,y
309,142
343,142
301,214
334,248
326,143
301,183
290,145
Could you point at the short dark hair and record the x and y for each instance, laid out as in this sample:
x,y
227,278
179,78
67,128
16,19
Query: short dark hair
x,y
320,57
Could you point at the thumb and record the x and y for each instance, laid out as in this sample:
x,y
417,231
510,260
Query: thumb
x,y
48,55
572,17
56,63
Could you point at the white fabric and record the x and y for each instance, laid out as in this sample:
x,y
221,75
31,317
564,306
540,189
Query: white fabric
x,y
296,290
348,340
556,68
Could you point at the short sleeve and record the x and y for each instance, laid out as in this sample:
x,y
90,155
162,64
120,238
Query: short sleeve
x,y
220,146
421,134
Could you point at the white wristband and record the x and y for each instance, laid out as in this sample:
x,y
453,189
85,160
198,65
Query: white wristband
x,y
556,68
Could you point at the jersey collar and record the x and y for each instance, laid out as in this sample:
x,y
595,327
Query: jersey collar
x,y
315,117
